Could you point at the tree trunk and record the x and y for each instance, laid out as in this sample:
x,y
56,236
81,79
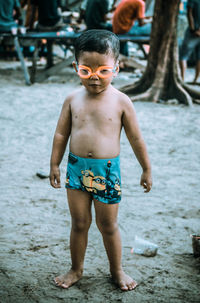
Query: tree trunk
x,y
161,79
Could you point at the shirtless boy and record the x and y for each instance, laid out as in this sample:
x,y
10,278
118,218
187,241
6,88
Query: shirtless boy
x,y
93,117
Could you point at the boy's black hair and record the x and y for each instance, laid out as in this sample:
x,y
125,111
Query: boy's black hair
x,y
97,40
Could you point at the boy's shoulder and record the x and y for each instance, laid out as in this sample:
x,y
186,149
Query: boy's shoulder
x,y
72,95
123,98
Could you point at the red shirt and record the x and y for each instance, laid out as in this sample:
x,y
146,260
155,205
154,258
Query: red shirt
x,y
126,13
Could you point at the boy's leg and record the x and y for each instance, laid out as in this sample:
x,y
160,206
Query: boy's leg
x,y
183,66
106,219
80,209
197,71
186,49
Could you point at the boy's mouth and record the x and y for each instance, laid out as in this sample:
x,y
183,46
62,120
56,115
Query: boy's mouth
x,y
94,84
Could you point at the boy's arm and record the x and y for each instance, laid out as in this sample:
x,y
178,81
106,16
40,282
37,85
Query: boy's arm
x,y
133,133
191,22
60,140
190,19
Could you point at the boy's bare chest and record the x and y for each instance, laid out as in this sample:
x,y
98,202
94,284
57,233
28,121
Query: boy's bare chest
x,y
96,113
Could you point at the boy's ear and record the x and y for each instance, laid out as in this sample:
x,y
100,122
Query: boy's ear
x,y
116,70
75,66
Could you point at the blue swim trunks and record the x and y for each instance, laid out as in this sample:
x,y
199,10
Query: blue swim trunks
x,y
100,177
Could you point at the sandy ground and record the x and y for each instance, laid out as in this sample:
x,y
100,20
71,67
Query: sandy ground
x,y
35,219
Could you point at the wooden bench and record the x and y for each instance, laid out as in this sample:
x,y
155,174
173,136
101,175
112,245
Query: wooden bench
x,y
140,40
34,39
64,37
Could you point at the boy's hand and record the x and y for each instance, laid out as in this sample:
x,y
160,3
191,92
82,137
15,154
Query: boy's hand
x,y
197,33
146,181
55,177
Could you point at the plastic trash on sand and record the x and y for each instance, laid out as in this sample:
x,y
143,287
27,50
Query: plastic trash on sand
x,y
144,247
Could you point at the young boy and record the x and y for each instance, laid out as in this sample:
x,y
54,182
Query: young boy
x,y
93,117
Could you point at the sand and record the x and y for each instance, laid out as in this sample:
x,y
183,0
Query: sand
x,y
35,219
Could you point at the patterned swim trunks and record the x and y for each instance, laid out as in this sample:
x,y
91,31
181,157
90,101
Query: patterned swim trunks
x,y
100,177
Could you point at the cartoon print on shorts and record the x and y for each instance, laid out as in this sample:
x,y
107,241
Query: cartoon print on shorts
x,y
113,188
102,186
94,184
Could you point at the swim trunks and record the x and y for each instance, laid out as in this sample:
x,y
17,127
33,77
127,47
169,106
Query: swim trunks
x,y
100,177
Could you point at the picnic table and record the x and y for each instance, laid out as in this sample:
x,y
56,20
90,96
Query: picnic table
x,y
64,37
34,39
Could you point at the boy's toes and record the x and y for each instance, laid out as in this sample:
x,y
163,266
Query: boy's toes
x,y
57,281
124,287
68,279
64,285
60,283
132,285
124,281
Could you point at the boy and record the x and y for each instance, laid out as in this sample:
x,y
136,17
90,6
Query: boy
x,y
93,117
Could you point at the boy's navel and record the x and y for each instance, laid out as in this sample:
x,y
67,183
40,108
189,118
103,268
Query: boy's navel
x,y
90,155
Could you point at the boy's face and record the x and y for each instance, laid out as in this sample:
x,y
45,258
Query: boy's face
x,y
96,83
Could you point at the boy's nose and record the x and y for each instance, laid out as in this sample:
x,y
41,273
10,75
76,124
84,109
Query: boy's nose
x,y
94,76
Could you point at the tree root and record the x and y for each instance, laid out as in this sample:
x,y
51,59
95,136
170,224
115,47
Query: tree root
x,y
180,93
155,92
150,95
196,101
195,94
138,87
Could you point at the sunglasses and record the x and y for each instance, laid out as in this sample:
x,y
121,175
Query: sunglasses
x,y
102,72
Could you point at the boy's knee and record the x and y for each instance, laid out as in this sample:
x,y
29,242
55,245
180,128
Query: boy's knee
x,y
107,227
81,225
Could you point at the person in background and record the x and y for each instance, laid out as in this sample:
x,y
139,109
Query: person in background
x,y
95,14
129,17
49,19
7,17
191,39
82,10
26,5
49,14
83,6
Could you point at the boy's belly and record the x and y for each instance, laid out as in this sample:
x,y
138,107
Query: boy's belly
x,y
94,145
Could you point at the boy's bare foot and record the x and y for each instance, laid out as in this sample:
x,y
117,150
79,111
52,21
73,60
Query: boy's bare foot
x,y
124,281
68,279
